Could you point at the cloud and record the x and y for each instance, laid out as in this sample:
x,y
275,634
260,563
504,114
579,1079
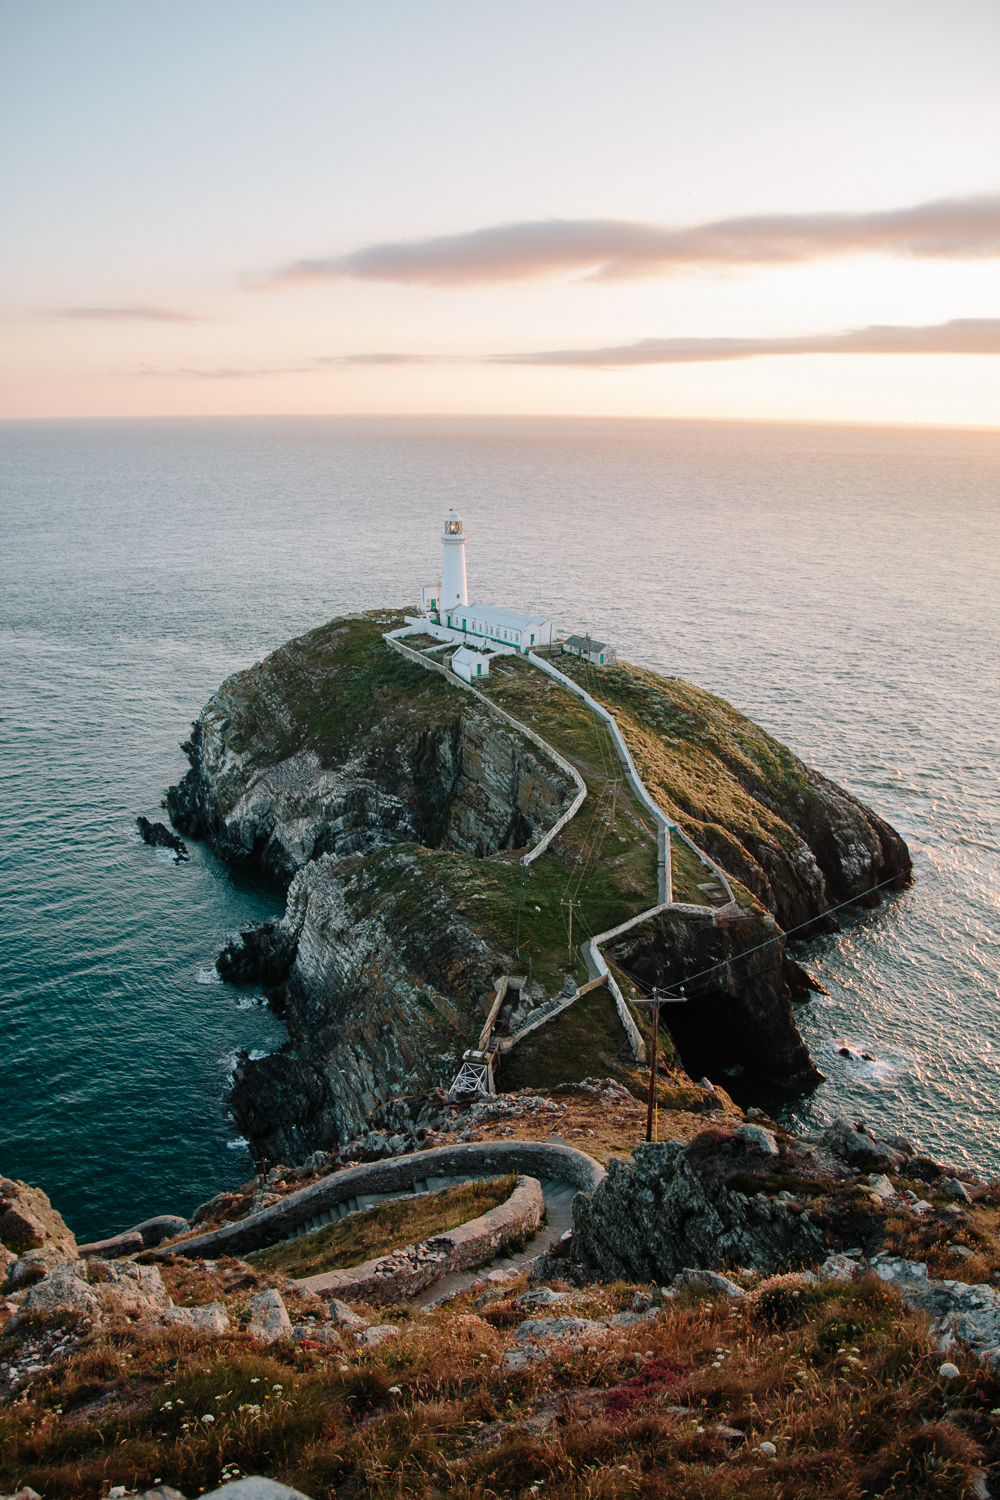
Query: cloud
x,y
961,336
615,249
129,315
385,359
228,372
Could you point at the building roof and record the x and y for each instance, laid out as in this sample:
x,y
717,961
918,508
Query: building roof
x,y
469,653
506,619
580,643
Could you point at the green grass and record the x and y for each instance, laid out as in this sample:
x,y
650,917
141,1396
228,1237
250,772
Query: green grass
x,y
330,691
377,1231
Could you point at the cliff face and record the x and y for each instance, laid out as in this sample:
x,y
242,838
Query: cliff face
x,y
397,806
384,984
334,745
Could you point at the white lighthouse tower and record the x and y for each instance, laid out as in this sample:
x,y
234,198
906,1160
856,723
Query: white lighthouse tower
x,y
453,586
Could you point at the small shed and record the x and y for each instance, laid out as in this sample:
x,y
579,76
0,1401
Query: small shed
x,y
468,663
589,649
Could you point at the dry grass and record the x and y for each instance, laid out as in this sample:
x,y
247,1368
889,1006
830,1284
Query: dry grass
x,y
604,1130
380,1230
839,1379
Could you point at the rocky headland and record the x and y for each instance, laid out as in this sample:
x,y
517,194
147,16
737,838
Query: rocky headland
x,y
397,808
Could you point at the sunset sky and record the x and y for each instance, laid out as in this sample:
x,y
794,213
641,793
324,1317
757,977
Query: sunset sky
x,y
740,208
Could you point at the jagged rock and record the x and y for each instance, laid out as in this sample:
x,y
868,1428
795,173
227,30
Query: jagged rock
x,y
161,837
744,1015
269,1318
211,1318
29,1222
7,1260
956,1189
33,1266
345,1316
671,1211
963,1314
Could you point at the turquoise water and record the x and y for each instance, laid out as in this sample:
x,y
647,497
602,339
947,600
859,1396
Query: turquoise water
x,y
839,585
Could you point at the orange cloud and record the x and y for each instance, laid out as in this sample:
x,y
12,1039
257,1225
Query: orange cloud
x,y
612,249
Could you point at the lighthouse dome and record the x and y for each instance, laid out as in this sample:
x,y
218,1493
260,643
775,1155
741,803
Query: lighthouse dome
x,y
453,525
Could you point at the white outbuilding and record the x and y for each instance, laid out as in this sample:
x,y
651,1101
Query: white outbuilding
x,y
467,663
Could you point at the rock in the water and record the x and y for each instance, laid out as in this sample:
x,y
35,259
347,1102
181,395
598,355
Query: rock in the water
x,y
269,1318
672,1210
29,1222
211,1318
161,837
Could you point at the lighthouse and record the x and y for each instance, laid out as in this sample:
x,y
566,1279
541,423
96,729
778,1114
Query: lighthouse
x,y
453,586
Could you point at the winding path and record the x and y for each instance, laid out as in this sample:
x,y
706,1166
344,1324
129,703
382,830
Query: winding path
x,y
665,827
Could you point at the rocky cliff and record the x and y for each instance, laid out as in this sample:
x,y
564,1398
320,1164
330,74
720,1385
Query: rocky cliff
x,y
397,807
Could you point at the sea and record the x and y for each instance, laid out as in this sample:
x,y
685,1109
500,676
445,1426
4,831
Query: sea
x,y
837,584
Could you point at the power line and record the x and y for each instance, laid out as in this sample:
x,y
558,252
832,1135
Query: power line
x,y
851,901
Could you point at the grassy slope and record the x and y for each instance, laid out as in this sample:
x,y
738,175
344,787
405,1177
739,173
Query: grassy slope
x,y
838,1377
389,1226
703,761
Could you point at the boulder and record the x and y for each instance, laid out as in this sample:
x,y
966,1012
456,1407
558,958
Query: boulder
x,y
64,1290
345,1316
370,1338
129,1290
956,1189
555,1330
324,1334
861,1150
29,1222
707,1281
764,1141
212,1318
36,1264
269,1318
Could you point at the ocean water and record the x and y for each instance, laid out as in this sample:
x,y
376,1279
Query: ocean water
x,y
839,585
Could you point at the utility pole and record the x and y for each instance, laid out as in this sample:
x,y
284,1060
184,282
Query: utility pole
x,y
571,905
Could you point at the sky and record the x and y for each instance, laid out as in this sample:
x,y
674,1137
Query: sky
x,y
740,209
